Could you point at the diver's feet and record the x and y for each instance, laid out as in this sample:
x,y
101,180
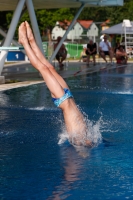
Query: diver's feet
x,y
29,32
22,34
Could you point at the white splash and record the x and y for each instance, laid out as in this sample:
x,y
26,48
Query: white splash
x,y
93,133
63,137
129,92
37,108
41,108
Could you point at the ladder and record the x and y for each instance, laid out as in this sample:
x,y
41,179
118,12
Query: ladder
x,y
127,37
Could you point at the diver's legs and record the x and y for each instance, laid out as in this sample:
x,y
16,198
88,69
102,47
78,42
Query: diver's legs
x,y
40,56
51,82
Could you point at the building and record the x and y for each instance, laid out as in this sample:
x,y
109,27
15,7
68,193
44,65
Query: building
x,y
105,25
81,28
89,29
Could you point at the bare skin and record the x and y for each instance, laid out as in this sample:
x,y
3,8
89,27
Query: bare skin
x,y
121,53
74,119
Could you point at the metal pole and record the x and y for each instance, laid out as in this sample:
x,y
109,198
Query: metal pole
x,y
65,35
125,37
33,19
11,32
13,41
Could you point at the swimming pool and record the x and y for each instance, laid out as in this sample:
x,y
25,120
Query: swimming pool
x,y
38,164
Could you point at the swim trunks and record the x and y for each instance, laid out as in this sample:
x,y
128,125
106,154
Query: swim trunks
x,y
120,59
105,52
58,101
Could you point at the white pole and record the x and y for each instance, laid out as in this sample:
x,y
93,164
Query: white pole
x,y
125,37
33,19
11,32
94,38
65,35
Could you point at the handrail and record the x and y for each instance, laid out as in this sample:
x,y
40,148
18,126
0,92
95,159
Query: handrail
x,y
11,48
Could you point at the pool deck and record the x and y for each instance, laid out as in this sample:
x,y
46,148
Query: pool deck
x,y
23,74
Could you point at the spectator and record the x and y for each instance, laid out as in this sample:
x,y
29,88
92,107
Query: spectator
x,y
105,49
62,53
121,56
83,55
91,51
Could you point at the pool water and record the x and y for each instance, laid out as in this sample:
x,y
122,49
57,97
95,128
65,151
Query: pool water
x,y
38,163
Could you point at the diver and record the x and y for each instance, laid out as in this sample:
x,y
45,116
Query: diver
x,y
62,97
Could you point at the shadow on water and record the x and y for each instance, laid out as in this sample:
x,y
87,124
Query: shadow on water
x,y
73,162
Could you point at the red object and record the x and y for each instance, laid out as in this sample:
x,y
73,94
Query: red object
x,y
118,61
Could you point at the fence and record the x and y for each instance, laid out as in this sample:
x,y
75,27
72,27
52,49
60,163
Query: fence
x,y
73,49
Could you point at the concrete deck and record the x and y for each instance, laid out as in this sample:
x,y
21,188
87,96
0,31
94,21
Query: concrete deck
x,y
23,74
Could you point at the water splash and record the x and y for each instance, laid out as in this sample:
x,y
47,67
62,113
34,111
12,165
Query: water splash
x,y
129,92
37,108
93,132
63,136
42,108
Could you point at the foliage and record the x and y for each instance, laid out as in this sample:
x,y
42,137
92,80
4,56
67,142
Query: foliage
x,y
119,13
47,18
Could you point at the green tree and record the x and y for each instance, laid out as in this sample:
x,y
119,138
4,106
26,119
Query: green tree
x,y
117,14
47,18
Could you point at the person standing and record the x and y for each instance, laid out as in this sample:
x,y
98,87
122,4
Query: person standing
x,y
91,51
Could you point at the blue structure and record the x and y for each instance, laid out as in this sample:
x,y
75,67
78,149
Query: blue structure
x,y
15,56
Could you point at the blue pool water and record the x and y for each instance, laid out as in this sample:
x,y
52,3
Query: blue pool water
x,y
37,164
